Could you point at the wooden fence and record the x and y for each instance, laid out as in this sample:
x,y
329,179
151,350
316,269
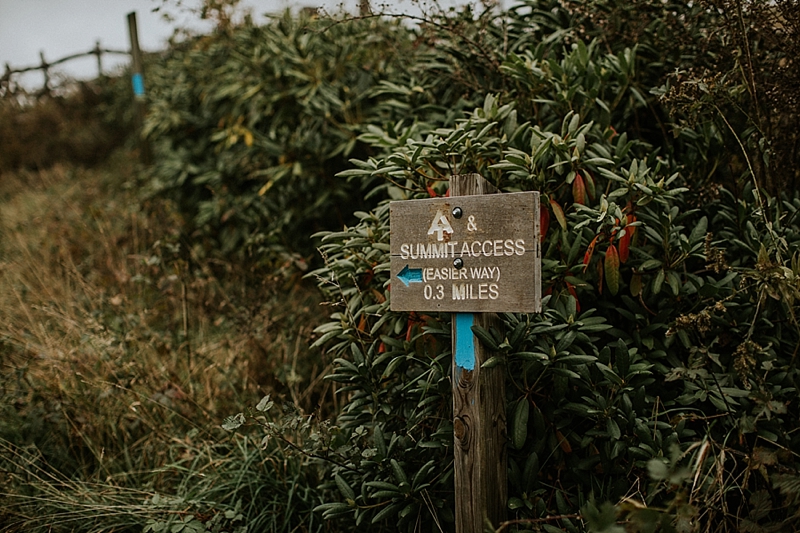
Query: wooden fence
x,y
7,84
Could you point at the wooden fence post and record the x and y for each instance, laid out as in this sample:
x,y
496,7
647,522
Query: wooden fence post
x,y
6,79
99,53
479,418
137,78
45,70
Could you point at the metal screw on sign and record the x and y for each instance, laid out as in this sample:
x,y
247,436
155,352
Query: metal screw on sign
x,y
458,262
457,212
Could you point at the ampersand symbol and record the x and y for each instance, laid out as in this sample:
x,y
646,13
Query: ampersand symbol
x,y
471,223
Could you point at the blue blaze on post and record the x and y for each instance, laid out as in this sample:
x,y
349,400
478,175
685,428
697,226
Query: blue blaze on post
x,y
410,275
465,342
138,84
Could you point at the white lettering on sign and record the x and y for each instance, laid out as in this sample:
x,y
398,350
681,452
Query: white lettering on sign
x,y
440,226
492,273
466,254
444,250
494,248
432,274
466,249
468,291
433,294
428,250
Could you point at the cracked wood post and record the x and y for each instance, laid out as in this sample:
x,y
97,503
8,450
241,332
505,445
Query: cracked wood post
x,y
479,417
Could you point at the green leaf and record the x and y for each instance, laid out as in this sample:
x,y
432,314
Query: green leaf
x,y
332,506
486,338
379,440
674,282
566,341
399,475
519,424
344,488
515,503
392,366
699,231
264,405
234,422
650,264
658,282
613,429
383,485
386,512
493,361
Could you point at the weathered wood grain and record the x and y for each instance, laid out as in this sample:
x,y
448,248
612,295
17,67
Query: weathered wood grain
x,y
479,420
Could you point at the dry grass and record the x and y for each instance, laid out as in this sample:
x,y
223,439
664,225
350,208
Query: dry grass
x,y
121,352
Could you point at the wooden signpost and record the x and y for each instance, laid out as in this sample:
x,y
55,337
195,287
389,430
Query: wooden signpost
x,y
473,254
137,80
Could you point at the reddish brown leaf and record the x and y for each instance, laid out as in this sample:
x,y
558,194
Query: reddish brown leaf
x,y
631,218
379,297
431,192
563,442
579,190
624,246
587,257
611,268
559,213
430,340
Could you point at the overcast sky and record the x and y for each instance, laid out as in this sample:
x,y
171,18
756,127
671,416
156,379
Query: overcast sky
x,y
64,27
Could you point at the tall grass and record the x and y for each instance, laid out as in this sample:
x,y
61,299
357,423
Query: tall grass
x,y
121,354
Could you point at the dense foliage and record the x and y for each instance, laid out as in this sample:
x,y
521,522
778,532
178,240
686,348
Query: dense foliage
x,y
662,373
657,391
250,125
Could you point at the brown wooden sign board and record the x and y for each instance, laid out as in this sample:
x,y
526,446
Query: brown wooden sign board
x,y
466,254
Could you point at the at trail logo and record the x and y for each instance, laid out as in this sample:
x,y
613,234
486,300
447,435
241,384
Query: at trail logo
x,y
440,226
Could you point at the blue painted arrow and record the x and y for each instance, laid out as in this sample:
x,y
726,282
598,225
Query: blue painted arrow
x,y
410,275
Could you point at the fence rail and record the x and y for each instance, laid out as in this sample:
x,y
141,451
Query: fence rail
x,y
45,66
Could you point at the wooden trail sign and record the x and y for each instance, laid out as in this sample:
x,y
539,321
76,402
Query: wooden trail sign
x,y
474,251
466,254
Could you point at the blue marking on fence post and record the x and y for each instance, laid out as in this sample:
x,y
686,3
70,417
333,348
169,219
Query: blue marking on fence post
x,y
138,84
465,341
